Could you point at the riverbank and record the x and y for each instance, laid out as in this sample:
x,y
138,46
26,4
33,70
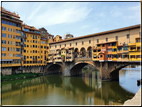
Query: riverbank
x,y
136,100
19,76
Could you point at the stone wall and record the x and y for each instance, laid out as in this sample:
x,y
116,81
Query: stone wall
x,y
33,69
6,71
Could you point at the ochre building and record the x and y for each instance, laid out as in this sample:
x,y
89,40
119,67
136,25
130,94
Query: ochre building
x,y
122,44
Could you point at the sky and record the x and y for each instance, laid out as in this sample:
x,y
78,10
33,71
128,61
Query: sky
x,y
77,18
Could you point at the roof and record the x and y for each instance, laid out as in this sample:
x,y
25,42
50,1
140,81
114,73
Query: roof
x,y
29,27
43,29
100,33
9,13
59,36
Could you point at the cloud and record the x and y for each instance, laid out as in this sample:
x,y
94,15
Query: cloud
x,y
57,13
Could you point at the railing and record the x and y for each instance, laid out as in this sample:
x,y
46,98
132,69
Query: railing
x,y
83,59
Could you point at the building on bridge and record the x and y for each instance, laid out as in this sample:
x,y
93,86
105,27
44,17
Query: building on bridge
x,y
115,45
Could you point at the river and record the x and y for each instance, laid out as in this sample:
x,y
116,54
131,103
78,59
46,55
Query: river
x,y
59,90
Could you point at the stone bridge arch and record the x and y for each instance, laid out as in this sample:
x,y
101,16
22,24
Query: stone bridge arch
x,y
53,69
76,70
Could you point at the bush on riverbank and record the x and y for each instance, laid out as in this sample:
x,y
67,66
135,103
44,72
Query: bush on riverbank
x,y
19,76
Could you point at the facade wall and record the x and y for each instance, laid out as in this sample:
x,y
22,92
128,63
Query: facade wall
x,y
11,40
123,37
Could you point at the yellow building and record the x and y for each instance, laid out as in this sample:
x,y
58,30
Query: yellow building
x,y
34,47
11,40
135,50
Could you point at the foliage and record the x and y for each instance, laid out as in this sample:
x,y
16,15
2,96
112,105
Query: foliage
x,y
19,76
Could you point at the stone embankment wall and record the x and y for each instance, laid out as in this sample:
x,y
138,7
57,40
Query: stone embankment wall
x,y
12,70
136,100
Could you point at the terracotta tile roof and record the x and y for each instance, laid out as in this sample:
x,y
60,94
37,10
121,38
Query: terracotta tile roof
x,y
10,13
30,27
100,33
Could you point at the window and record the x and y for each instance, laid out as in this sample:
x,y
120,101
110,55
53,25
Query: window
x,y
8,35
3,41
11,42
109,50
4,28
11,36
8,29
65,45
116,37
70,44
4,35
41,46
27,45
82,43
127,36
106,39
3,48
11,29
89,41
109,44
8,42
3,54
10,49
125,48
10,55
97,40
76,43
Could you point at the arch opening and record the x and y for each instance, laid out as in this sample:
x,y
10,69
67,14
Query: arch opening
x,y
76,53
89,52
54,69
83,53
77,70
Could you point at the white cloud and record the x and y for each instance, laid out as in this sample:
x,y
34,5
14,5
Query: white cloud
x,y
48,13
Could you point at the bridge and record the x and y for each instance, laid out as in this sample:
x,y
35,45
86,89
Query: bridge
x,y
107,51
109,70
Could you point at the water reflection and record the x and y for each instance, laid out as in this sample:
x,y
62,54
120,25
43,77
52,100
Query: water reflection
x,y
52,90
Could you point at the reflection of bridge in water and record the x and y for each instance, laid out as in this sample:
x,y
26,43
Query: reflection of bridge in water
x,y
77,87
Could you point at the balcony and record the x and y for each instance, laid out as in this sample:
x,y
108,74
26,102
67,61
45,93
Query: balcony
x,y
131,44
114,52
83,59
11,65
114,59
114,46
